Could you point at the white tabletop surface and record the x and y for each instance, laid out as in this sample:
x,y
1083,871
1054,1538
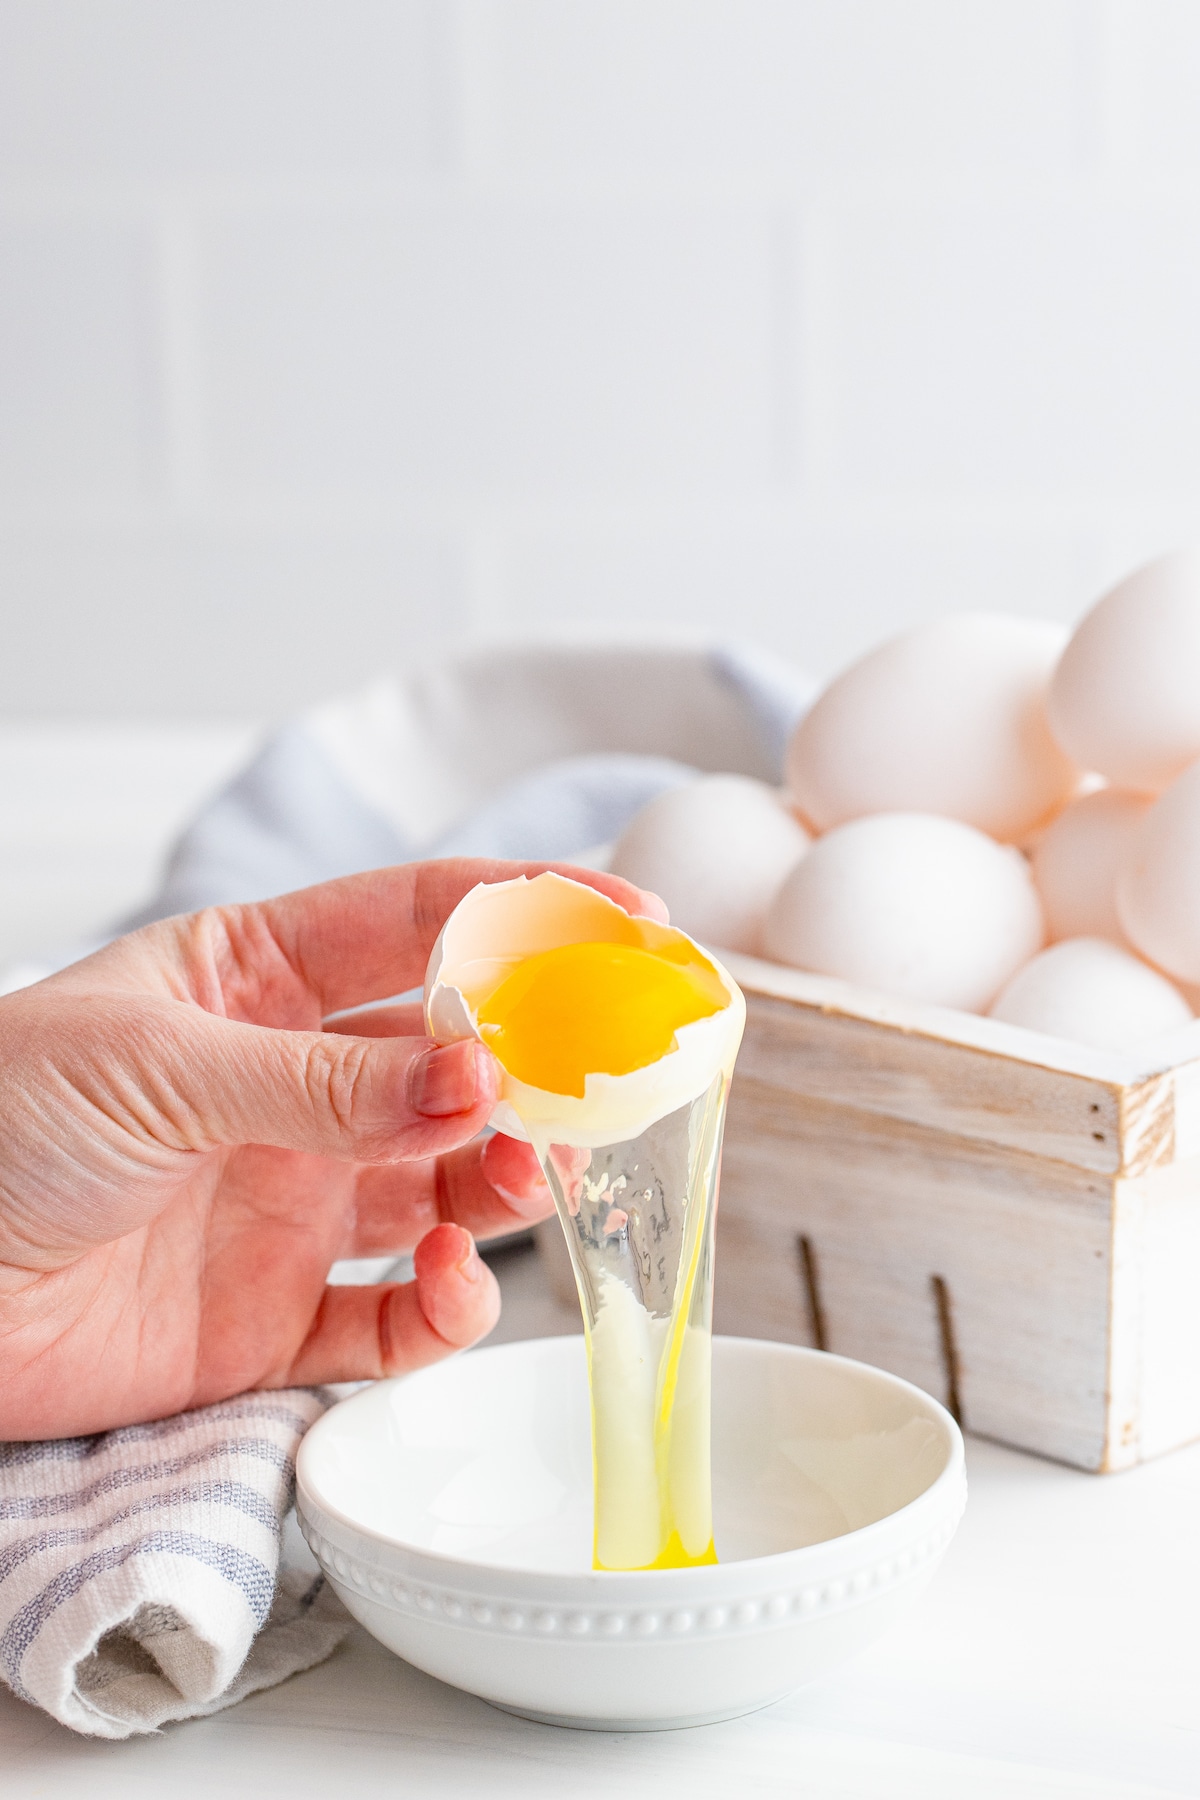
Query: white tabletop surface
x,y
1057,1653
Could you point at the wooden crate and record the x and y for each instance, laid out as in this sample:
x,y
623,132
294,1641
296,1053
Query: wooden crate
x,y
1011,1222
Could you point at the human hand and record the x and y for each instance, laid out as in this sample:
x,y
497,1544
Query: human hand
x,y
186,1151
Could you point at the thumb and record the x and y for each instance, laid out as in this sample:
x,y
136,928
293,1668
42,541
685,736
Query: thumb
x,y
214,1081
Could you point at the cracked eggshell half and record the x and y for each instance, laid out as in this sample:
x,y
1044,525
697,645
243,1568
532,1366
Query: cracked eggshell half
x,y
500,924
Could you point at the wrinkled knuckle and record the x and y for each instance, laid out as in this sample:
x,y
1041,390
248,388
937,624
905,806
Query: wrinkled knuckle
x,y
336,1077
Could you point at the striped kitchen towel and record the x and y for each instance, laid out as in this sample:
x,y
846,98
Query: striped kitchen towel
x,y
139,1569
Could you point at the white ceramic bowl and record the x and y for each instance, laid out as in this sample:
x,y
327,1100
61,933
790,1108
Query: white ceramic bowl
x,y
452,1511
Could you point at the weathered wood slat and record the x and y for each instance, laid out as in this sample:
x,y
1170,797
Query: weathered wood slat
x,y
1021,1244
1106,1125
1146,1124
760,1288
798,1133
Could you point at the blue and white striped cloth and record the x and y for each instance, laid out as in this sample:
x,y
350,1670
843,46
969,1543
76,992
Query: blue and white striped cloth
x,y
139,1569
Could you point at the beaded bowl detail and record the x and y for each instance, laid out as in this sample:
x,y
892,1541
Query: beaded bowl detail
x,y
452,1513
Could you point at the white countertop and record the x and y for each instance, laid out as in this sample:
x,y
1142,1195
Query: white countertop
x,y
1057,1653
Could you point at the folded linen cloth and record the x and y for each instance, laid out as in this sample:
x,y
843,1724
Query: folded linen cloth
x,y
139,1569
536,752
511,751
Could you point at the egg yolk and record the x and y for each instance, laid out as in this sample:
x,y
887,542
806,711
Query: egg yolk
x,y
594,1009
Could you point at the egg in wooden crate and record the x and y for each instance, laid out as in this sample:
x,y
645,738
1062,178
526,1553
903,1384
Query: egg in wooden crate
x,y
717,851
948,719
1089,991
1158,885
1077,859
912,904
1125,697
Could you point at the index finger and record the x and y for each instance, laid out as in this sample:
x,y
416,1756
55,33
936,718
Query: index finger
x,y
368,936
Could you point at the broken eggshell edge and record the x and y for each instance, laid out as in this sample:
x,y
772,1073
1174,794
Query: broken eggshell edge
x,y
500,924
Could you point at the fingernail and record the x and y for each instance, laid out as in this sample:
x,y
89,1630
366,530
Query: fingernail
x,y
471,1268
445,1080
532,1204
654,907
527,1193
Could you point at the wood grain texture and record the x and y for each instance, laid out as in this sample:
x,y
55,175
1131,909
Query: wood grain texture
x,y
760,1288
1022,1244
1146,1124
972,1076
925,1081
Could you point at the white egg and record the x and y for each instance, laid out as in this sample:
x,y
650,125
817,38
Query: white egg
x,y
1076,860
1126,696
501,924
716,851
1158,887
947,719
1092,992
913,904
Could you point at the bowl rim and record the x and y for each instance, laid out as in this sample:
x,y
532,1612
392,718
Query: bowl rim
x,y
945,1496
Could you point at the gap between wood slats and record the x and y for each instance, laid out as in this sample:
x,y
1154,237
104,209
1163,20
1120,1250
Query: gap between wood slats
x,y
943,1309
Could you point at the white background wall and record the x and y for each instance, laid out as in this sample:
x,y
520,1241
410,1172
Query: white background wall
x,y
331,330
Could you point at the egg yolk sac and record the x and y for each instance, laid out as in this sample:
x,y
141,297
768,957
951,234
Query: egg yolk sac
x,y
595,1009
